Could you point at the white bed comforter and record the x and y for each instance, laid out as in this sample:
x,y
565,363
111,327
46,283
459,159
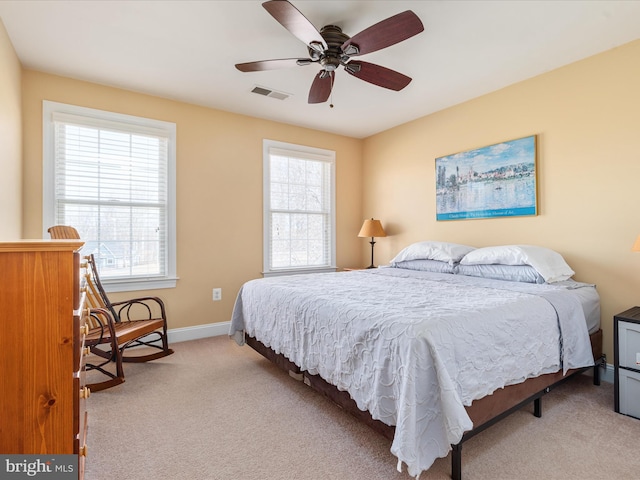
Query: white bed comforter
x,y
414,348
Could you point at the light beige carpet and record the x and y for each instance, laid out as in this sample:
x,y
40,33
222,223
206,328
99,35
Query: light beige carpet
x,y
214,410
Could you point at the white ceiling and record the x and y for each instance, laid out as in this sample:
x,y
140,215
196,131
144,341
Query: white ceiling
x,y
186,50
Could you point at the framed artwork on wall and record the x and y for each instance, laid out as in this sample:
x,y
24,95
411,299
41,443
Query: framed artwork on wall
x,y
493,181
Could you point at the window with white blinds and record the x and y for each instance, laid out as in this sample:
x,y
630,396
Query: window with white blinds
x,y
299,208
112,177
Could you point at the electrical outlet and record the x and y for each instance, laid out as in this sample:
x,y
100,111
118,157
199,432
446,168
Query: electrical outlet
x,y
217,294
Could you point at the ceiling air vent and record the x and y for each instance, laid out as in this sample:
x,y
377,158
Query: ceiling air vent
x,y
267,92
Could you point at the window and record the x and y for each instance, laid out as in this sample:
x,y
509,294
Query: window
x,y
299,208
112,177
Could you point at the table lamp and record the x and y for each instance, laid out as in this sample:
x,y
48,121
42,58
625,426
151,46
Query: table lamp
x,y
372,228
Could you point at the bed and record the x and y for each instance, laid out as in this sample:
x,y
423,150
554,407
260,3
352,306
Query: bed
x,y
435,347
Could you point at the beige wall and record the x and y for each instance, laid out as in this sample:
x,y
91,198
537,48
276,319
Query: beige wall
x,y
587,117
219,188
10,141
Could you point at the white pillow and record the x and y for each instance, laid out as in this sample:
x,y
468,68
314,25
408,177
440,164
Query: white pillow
x,y
431,250
548,263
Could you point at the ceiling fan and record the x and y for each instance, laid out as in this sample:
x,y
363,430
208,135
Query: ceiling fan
x,y
332,48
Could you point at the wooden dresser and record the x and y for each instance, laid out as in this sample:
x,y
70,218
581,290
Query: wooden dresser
x,y
42,393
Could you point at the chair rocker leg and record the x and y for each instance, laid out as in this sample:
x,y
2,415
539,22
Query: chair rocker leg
x,y
164,349
96,387
146,358
115,378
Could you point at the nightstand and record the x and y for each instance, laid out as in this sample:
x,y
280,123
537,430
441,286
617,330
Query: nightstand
x,y
626,350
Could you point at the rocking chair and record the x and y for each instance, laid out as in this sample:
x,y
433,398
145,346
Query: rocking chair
x,y
102,331
120,326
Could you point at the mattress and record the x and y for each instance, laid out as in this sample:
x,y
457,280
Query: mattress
x,y
414,348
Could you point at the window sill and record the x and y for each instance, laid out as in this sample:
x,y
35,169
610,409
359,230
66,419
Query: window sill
x,y
298,271
133,285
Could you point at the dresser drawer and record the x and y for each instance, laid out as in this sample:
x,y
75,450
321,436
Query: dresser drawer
x,y
80,316
82,456
629,344
629,388
83,394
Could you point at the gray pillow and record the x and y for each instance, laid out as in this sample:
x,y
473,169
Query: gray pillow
x,y
425,266
512,273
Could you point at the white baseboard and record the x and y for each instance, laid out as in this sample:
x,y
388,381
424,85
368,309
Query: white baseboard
x,y
199,331
606,375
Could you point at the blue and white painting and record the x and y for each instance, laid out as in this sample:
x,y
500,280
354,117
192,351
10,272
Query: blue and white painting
x,y
494,181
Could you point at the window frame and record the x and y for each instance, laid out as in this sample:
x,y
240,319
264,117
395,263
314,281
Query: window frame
x,y
49,109
308,153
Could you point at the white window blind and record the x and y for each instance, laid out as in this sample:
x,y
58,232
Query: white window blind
x,y
111,181
299,221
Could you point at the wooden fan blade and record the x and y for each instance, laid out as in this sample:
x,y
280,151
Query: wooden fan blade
x,y
377,75
321,87
290,18
261,65
386,33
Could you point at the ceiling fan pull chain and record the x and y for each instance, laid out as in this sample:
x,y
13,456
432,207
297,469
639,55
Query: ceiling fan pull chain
x,y
331,100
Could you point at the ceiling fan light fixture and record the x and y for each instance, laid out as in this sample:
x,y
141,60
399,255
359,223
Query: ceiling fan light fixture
x,y
330,62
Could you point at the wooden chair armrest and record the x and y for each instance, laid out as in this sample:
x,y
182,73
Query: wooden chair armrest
x,y
98,314
139,299
124,308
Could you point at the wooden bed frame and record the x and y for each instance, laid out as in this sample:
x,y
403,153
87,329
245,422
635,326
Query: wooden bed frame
x,y
483,412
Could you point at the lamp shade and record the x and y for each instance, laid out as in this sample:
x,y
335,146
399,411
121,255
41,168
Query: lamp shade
x,y
372,228
636,245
